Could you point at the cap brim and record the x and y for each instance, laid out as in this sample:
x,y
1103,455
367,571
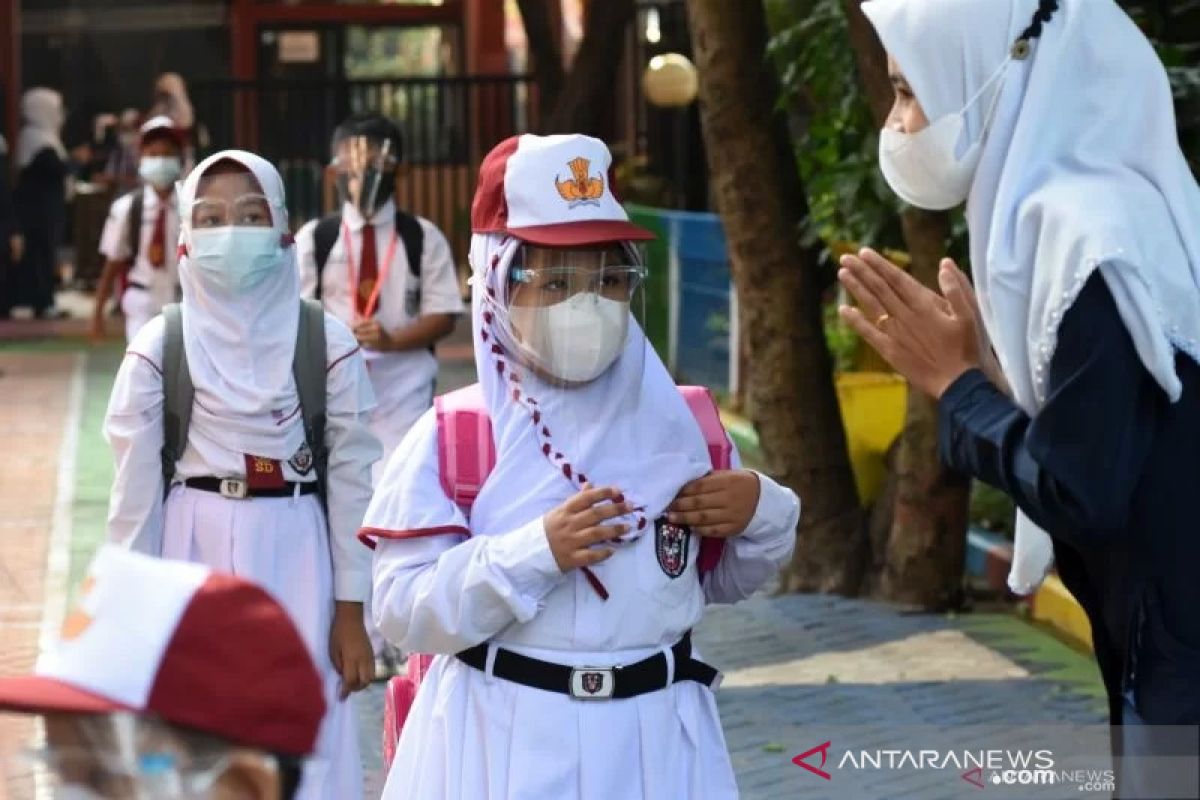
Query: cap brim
x,y
35,694
579,234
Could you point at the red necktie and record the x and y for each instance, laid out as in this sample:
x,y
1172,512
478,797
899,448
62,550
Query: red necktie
x,y
157,254
368,270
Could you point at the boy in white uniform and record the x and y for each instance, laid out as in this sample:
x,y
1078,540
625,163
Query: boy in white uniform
x,y
244,494
169,681
560,604
397,310
146,256
390,277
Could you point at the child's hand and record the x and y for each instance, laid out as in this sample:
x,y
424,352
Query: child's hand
x,y
350,648
372,336
576,525
720,504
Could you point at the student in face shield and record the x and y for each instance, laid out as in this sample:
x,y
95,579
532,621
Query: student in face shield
x,y
244,496
169,682
579,553
1054,122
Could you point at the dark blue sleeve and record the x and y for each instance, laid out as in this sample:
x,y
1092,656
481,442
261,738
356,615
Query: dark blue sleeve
x,y
1073,467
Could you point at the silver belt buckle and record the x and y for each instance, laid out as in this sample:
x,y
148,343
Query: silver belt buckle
x,y
235,488
593,683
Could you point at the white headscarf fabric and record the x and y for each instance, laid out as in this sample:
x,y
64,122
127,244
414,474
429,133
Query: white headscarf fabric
x,y
647,444
42,112
240,345
1081,170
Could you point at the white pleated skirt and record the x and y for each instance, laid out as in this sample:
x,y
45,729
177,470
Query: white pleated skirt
x,y
283,545
471,736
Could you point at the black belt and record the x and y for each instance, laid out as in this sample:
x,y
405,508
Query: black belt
x,y
238,489
594,683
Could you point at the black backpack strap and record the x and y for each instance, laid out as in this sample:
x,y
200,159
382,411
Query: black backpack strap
x,y
178,393
325,236
413,235
309,370
133,224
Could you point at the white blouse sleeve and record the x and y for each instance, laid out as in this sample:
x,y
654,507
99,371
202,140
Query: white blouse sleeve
x,y
133,427
754,557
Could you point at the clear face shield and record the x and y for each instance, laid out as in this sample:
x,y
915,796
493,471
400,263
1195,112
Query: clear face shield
x,y
124,757
365,172
573,317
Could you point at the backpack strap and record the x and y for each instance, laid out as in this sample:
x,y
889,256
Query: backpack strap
x,y
133,224
720,452
325,236
178,393
309,370
466,450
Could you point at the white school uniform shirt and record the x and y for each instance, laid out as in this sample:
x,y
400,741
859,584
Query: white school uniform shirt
x,y
133,427
161,286
403,382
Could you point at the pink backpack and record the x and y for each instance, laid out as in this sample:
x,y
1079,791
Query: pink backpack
x,y
466,455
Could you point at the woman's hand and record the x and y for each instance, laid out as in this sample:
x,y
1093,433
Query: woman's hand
x,y
350,649
720,504
987,357
928,338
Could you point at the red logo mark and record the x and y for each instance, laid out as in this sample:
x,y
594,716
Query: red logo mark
x,y
974,776
823,749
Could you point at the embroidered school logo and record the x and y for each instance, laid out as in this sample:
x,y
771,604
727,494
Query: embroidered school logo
x,y
593,682
671,547
302,462
581,188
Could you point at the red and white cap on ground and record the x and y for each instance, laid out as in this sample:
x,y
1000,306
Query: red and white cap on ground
x,y
553,191
194,648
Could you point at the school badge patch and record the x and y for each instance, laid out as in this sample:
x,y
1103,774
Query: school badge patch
x,y
671,547
302,462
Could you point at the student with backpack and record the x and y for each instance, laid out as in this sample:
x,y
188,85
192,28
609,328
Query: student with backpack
x,y
389,276
239,424
396,288
556,552
141,235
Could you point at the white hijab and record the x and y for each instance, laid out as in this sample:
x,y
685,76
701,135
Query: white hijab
x,y
42,112
630,429
1081,169
240,345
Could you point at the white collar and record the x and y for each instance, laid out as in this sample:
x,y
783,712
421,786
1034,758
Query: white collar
x,y
151,198
384,216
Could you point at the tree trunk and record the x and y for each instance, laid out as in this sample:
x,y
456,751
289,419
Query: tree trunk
x,y
586,102
543,46
926,545
790,376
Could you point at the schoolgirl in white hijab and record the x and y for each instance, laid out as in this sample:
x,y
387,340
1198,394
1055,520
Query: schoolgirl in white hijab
x,y
1054,121
240,309
577,400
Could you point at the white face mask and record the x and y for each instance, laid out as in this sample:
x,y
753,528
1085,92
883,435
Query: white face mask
x,y
575,340
234,257
160,171
924,168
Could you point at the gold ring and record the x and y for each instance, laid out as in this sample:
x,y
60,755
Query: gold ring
x,y
882,319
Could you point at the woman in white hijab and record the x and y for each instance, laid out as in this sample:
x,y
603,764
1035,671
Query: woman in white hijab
x,y
40,198
240,315
1054,122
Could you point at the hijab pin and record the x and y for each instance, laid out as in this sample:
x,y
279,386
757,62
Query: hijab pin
x,y
1020,49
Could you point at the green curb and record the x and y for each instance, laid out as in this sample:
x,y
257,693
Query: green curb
x,y
744,437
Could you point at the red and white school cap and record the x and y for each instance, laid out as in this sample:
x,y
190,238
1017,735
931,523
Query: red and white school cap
x,y
161,124
201,650
554,191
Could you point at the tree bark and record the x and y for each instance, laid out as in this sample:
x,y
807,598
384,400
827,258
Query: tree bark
x,y
790,376
543,47
586,102
926,544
